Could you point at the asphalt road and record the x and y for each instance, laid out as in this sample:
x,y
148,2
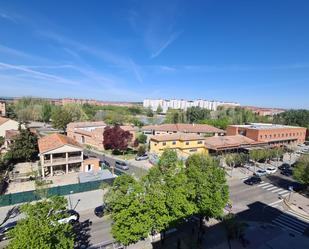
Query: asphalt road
x,y
133,170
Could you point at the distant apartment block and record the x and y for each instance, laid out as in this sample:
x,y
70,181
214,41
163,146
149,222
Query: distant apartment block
x,y
2,109
93,102
273,134
91,133
264,111
185,104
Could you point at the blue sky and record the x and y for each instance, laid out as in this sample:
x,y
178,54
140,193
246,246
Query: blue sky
x,y
253,52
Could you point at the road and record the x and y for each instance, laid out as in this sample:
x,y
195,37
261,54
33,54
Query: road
x,y
133,169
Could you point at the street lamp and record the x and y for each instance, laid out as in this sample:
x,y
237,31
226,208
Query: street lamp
x,y
71,192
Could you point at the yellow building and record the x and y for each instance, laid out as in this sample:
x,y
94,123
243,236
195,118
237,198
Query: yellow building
x,y
184,144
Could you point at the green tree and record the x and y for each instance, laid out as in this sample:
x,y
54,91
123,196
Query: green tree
x,y
76,112
61,118
40,227
24,147
149,112
175,116
46,112
196,114
1,141
207,183
141,150
159,109
301,171
142,138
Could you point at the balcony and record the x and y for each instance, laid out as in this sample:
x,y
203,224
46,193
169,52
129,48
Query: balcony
x,y
62,160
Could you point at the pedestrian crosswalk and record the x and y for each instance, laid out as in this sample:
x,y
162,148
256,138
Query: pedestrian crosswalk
x,y
270,187
288,221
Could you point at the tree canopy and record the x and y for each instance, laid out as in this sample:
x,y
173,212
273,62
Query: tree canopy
x,y
293,117
169,193
116,138
40,228
61,118
301,171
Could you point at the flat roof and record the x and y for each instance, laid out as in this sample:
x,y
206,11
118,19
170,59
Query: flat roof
x,y
95,176
265,126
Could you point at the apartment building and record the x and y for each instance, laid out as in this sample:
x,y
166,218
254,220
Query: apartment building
x,y
198,129
59,155
264,111
183,144
91,133
7,124
273,134
185,104
2,109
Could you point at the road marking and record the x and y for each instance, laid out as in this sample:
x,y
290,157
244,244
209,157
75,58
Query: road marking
x,y
273,203
285,195
293,220
284,226
267,186
298,217
260,185
276,190
282,192
271,188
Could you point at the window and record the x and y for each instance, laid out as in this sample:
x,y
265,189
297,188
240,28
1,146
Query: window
x,y
174,142
297,133
192,150
261,136
199,142
265,136
293,134
286,135
164,143
269,136
282,135
88,167
290,134
275,135
187,143
82,139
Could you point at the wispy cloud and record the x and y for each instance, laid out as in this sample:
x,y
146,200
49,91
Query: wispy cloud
x,y
8,17
165,44
35,73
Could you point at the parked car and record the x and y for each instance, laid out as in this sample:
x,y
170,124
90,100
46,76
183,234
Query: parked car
x,y
284,166
121,165
142,157
72,217
287,172
260,172
253,180
298,186
4,231
271,170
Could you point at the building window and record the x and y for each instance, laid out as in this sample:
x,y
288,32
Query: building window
x,y
290,134
282,135
261,136
174,142
192,150
265,136
297,133
82,139
187,143
199,142
164,144
269,136
286,135
275,135
293,134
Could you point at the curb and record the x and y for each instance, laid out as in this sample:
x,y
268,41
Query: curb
x,y
306,217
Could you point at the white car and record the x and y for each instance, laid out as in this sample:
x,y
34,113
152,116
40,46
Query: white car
x,y
260,172
72,217
271,170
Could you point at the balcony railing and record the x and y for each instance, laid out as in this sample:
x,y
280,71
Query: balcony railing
x,y
62,160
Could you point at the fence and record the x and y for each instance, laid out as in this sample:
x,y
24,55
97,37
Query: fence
x,y
27,196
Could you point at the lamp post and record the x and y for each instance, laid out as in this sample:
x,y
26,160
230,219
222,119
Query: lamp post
x,y
71,192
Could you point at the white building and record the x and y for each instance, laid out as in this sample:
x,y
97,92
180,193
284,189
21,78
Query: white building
x,y
184,104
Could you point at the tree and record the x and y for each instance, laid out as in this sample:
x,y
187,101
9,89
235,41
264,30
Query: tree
x,y
75,111
1,141
175,116
61,118
40,227
141,150
301,171
255,156
207,184
46,112
24,147
142,138
129,212
293,117
159,109
149,112
232,160
195,114
116,138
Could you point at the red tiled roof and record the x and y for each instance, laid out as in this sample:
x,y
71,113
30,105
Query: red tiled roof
x,y
177,136
54,141
219,142
10,134
187,128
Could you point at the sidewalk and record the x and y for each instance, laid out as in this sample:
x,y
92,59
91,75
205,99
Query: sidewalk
x,y
298,204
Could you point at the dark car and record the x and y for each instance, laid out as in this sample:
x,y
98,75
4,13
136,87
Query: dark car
x,y
284,166
286,172
253,180
5,229
297,187
99,211
121,165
